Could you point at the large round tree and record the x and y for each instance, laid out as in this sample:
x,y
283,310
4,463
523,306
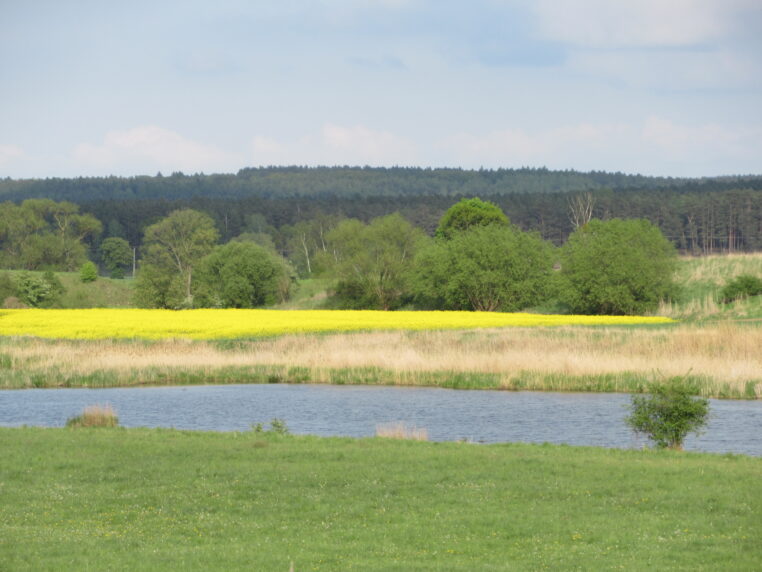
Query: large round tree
x,y
243,275
485,268
469,213
617,267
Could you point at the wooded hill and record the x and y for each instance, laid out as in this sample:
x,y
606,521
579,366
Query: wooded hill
x,y
722,214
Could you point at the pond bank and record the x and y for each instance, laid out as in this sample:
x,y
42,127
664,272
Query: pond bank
x,y
722,360
587,419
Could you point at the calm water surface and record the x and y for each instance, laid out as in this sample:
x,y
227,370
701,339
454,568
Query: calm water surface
x,y
482,416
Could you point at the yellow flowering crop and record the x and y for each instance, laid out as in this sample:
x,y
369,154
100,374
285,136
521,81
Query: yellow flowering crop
x,y
220,324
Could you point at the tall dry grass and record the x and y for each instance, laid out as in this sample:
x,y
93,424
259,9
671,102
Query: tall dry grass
x,y
701,279
401,430
95,416
727,353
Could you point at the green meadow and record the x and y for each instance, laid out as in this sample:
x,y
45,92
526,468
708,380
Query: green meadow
x,y
153,499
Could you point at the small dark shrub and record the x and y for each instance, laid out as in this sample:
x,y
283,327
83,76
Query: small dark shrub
x,y
279,426
668,413
742,286
276,426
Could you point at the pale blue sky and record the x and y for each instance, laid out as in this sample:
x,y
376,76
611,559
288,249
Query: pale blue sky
x,y
659,87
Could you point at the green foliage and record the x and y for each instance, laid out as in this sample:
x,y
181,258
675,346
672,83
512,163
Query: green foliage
x,y
116,255
7,286
617,267
243,275
373,262
669,413
40,291
40,233
467,214
88,272
171,250
156,287
306,244
277,426
485,268
56,286
743,286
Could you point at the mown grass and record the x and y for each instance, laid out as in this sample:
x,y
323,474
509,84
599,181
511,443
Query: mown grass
x,y
143,499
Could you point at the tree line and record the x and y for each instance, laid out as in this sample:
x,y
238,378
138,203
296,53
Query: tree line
x,y
343,182
477,259
699,216
697,222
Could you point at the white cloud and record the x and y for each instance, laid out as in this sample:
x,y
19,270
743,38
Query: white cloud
x,y
337,145
670,70
637,23
657,44
148,148
710,141
9,154
366,145
655,146
564,146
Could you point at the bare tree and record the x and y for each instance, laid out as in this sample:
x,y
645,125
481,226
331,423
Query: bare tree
x,y
581,208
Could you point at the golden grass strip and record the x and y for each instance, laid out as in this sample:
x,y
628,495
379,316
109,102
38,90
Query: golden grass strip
x,y
723,352
235,324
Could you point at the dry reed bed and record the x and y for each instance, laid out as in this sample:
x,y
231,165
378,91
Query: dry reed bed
x,y
723,352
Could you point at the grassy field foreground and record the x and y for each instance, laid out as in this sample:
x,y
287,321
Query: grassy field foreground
x,y
142,499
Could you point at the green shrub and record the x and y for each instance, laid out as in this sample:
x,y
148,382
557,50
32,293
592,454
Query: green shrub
x,y
277,426
34,290
742,286
668,413
88,272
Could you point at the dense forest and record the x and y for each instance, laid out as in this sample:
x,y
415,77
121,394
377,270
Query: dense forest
x,y
699,216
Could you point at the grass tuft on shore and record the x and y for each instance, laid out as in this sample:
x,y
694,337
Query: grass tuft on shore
x,y
401,430
95,416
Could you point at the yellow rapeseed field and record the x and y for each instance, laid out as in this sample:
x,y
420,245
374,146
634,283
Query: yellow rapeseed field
x,y
232,324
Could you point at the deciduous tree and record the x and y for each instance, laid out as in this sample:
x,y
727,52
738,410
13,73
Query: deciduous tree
x,y
373,262
171,250
485,268
617,267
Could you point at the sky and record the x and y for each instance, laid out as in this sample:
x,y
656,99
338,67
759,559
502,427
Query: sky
x,y
107,87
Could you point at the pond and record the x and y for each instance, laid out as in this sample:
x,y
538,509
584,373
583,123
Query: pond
x,y
595,419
